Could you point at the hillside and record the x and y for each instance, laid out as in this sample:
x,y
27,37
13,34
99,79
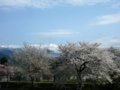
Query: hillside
x,y
5,52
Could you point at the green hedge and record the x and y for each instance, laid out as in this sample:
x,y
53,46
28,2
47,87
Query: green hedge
x,y
51,86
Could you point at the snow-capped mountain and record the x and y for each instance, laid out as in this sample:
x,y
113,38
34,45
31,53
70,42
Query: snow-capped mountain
x,y
7,50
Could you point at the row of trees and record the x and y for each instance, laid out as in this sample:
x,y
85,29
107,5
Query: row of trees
x,y
83,61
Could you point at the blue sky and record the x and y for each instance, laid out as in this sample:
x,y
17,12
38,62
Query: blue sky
x,y
57,21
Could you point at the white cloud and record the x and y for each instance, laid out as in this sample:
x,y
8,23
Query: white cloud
x,y
29,3
49,46
107,19
53,47
108,42
57,33
116,5
46,3
83,2
105,43
10,46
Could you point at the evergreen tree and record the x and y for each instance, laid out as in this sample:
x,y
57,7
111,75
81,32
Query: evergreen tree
x,y
3,60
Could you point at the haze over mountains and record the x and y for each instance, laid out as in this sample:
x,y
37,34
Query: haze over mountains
x,y
7,50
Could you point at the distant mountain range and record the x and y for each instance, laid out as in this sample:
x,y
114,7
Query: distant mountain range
x,y
6,52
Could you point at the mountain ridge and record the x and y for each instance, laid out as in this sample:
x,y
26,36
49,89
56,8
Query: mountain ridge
x,y
6,52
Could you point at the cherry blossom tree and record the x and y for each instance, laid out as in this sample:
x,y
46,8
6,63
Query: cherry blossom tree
x,y
10,71
84,61
116,53
6,70
3,70
18,72
33,60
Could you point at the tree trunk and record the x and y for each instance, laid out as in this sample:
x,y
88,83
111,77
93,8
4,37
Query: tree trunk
x,y
7,78
7,81
19,79
79,86
32,79
54,78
